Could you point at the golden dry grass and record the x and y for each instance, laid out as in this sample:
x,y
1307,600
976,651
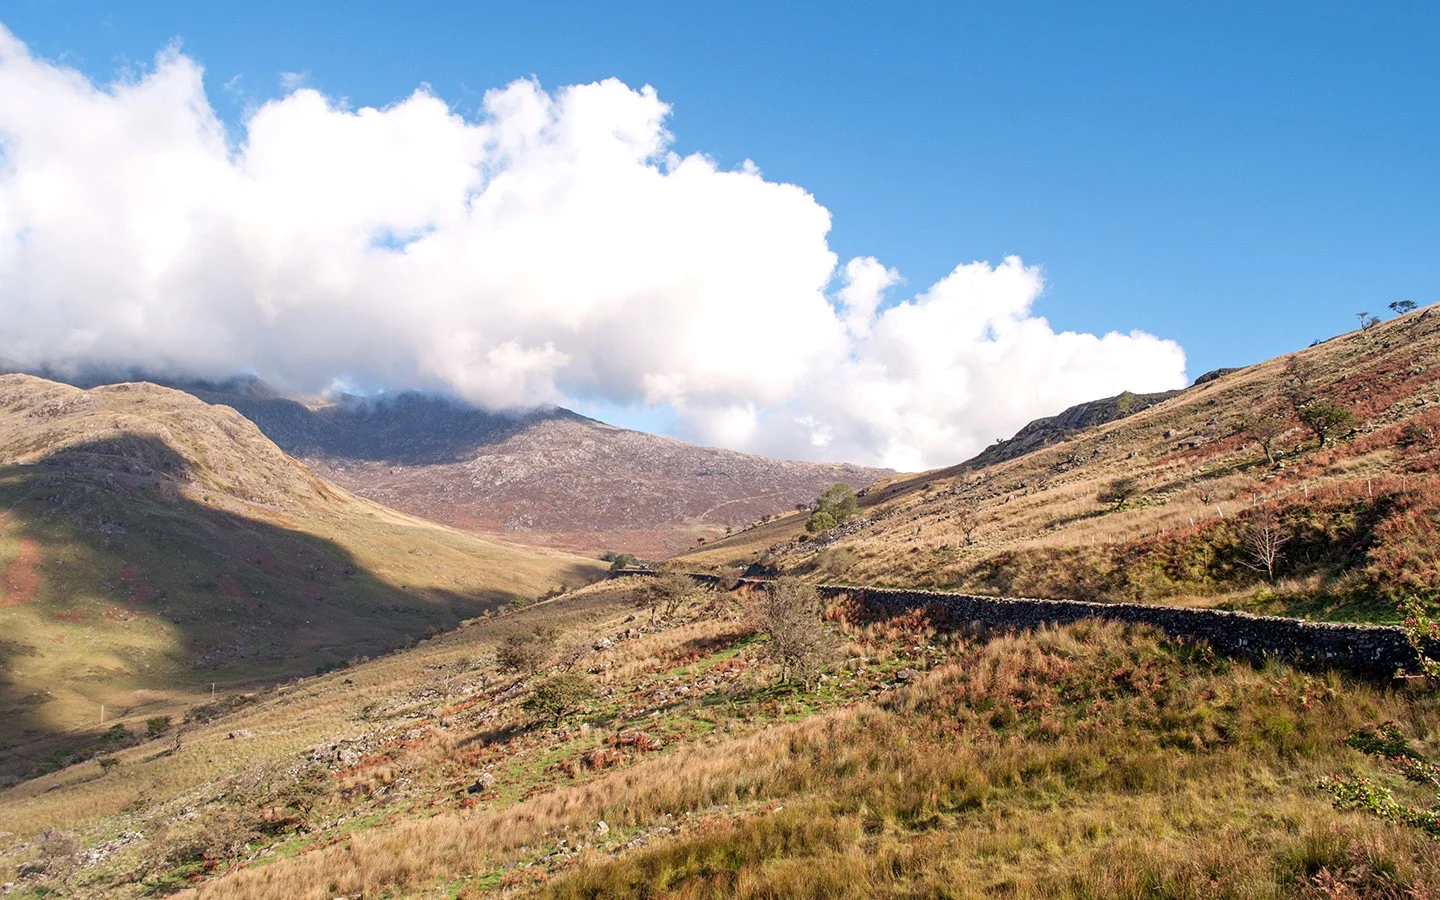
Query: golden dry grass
x,y
1086,761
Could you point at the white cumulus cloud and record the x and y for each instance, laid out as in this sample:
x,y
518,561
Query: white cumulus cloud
x,y
552,248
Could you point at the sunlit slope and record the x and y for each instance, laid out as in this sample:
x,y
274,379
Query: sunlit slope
x,y
1093,760
151,545
1359,514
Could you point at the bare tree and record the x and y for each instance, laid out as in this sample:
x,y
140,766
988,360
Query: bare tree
x,y
1265,540
1264,430
789,613
663,594
571,655
1299,372
967,518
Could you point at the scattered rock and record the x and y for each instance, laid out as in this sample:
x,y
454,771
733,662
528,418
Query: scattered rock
x,y
601,829
907,675
240,733
483,783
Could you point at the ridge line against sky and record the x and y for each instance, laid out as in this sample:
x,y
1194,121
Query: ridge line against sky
x,y
557,244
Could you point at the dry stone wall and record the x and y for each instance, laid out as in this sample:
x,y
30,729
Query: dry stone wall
x,y
1377,650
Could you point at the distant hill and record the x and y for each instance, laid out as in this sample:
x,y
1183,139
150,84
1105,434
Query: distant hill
x,y
550,476
1056,428
152,544
1151,498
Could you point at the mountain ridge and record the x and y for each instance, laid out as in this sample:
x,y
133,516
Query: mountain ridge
x,y
551,477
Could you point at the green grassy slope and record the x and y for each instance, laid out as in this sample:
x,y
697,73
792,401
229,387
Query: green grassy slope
x,y
152,545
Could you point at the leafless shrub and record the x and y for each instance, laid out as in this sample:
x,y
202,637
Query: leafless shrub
x,y
571,655
789,612
1265,539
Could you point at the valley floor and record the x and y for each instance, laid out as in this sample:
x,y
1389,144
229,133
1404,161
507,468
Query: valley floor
x,y
1092,760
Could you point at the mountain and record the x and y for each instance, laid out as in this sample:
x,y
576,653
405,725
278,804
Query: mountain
x,y
1157,498
547,477
577,748
153,545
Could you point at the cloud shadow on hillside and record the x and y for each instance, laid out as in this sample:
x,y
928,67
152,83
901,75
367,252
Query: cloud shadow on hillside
x,y
118,548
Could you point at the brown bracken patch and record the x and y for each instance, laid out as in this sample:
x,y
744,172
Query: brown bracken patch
x,y
21,579
140,590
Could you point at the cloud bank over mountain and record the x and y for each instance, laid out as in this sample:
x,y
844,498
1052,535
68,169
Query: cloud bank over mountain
x,y
552,249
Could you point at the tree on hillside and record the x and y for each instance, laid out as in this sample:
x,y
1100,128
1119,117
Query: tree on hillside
x,y
820,522
1367,321
663,594
1263,430
788,613
1401,307
1119,490
967,518
620,561
1325,417
1265,539
1299,372
835,505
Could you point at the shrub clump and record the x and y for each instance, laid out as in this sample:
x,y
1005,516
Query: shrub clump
x,y
560,695
526,652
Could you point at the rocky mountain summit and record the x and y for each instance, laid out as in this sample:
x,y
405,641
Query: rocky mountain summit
x,y
548,476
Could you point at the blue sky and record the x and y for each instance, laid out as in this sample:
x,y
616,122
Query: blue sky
x,y
1241,178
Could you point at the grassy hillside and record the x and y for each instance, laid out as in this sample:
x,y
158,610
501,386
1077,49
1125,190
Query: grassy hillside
x,y
152,546
1359,516
1086,761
